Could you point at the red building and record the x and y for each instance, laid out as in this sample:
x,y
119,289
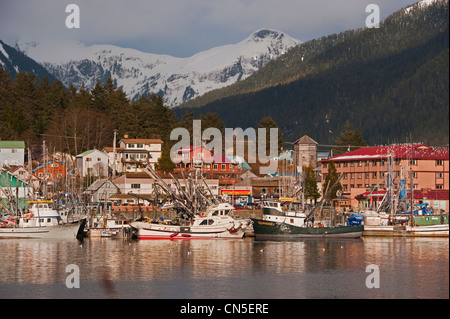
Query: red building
x,y
54,170
214,166
368,168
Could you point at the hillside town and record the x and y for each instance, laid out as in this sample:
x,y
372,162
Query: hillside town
x,y
116,176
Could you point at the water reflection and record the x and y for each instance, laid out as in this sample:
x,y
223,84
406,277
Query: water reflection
x,y
309,268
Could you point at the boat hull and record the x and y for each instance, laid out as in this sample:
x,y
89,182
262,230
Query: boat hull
x,y
66,231
268,229
408,231
157,231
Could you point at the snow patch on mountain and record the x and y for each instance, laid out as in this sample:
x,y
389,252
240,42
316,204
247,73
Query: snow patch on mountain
x,y
177,79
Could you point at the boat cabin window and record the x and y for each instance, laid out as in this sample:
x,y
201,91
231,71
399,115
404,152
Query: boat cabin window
x,y
207,222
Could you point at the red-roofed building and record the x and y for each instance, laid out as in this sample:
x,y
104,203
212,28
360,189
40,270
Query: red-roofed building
x,y
367,167
214,166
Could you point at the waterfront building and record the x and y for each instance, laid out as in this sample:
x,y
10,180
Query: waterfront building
x,y
51,171
142,185
365,170
92,163
135,154
226,169
14,192
101,190
305,152
12,153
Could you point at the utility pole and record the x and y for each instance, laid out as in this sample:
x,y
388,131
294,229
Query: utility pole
x,y
114,155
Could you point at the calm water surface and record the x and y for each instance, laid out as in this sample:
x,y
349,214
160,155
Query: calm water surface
x,y
212,269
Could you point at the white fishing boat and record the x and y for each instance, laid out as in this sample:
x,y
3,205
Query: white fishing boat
x,y
109,226
216,222
41,221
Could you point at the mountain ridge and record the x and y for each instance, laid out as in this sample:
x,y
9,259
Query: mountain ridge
x,y
15,61
177,79
351,76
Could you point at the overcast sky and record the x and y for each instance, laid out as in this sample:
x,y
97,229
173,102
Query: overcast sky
x,y
180,27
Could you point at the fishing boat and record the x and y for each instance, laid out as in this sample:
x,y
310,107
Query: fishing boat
x,y
216,222
277,223
40,221
401,225
109,226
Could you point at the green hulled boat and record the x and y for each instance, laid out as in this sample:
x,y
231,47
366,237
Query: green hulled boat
x,y
265,229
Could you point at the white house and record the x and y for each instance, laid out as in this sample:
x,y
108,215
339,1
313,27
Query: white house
x,y
142,184
93,163
12,153
136,153
101,190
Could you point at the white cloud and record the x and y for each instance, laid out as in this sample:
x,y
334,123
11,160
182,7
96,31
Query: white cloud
x,y
180,26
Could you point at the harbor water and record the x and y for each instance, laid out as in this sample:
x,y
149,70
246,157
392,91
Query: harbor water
x,y
220,269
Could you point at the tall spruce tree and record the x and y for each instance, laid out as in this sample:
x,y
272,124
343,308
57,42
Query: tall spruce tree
x,y
330,180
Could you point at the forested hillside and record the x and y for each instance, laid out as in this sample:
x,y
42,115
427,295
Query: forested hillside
x,y
391,83
74,120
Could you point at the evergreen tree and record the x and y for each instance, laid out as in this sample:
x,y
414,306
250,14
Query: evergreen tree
x,y
310,188
349,140
330,179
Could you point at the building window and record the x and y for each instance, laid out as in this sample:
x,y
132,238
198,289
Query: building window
x,y
374,163
366,175
140,145
413,162
439,162
439,175
359,175
439,186
359,163
88,159
223,166
135,185
374,175
345,175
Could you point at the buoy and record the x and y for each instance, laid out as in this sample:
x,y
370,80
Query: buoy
x,y
174,234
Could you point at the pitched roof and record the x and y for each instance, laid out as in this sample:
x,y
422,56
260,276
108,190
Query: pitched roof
x,y
12,144
305,139
48,163
401,151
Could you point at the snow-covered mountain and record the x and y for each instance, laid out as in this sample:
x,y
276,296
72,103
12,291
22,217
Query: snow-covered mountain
x,y
177,79
15,61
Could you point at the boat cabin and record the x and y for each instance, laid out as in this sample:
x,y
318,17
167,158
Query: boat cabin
x,y
41,214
